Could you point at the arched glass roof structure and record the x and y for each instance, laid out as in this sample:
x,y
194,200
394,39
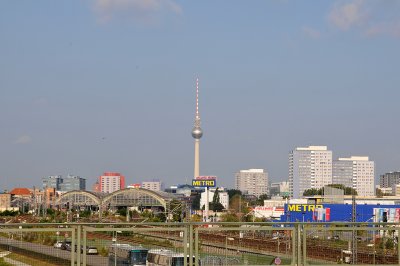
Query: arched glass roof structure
x,y
132,197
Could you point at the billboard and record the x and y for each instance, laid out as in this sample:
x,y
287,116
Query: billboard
x,y
205,181
386,215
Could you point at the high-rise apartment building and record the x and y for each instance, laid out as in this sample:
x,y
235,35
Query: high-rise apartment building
x,y
388,180
72,182
342,172
357,172
309,167
155,185
52,181
252,181
111,181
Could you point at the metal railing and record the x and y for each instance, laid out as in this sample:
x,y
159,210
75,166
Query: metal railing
x,y
205,243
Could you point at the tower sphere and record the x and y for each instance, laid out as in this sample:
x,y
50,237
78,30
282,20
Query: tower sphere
x,y
197,132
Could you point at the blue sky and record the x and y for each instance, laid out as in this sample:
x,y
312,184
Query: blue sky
x,y
109,85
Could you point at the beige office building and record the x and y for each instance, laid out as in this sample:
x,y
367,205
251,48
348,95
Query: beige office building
x,y
309,167
252,181
359,172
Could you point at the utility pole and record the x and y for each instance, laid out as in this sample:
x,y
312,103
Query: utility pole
x,y
44,202
354,219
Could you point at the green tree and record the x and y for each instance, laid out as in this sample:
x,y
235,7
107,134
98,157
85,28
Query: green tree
x,y
236,203
233,192
122,211
261,198
217,207
196,202
216,196
389,243
379,193
312,192
229,217
176,210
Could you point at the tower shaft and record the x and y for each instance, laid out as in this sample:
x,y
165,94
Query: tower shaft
x,y
196,158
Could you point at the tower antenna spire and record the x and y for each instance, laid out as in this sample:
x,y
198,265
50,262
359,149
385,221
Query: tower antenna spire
x,y
197,99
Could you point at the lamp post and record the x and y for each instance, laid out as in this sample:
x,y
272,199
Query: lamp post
x,y
374,236
20,236
114,240
226,248
58,234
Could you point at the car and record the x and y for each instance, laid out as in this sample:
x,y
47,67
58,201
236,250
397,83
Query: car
x,y
58,244
92,250
66,245
89,250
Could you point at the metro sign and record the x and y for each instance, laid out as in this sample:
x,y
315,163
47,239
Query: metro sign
x,y
205,181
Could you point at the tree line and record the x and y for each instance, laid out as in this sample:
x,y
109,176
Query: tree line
x,y
320,191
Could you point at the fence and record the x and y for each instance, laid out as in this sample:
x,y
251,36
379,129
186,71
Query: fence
x,y
194,244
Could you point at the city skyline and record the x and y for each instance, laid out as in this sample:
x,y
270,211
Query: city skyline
x,y
94,86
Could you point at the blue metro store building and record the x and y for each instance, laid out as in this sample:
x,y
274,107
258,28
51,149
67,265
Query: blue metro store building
x,y
340,213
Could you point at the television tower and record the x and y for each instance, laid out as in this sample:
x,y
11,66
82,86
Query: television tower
x,y
197,133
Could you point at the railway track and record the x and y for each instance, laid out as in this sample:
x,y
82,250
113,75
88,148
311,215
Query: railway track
x,y
258,244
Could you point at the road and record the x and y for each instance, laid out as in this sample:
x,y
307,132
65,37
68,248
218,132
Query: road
x,y
57,254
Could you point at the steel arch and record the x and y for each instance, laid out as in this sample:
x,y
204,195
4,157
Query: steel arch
x,y
79,197
136,197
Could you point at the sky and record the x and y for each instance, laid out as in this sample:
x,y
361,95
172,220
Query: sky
x,y
109,85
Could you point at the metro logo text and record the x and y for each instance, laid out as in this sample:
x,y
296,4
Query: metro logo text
x,y
303,207
203,183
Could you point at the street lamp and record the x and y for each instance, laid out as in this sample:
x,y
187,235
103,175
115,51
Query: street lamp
x,y
20,236
58,234
226,248
114,240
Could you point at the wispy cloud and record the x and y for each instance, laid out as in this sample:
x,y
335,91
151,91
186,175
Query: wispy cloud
x,y
144,11
310,32
384,28
348,14
371,18
23,139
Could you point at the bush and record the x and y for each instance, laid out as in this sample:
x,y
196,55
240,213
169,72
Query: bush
x,y
389,243
9,213
103,252
3,263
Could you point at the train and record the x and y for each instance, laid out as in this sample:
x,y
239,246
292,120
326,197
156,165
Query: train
x,y
126,254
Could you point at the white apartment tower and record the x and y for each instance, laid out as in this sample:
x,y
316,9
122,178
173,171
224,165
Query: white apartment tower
x,y
252,181
111,181
357,172
155,185
309,167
